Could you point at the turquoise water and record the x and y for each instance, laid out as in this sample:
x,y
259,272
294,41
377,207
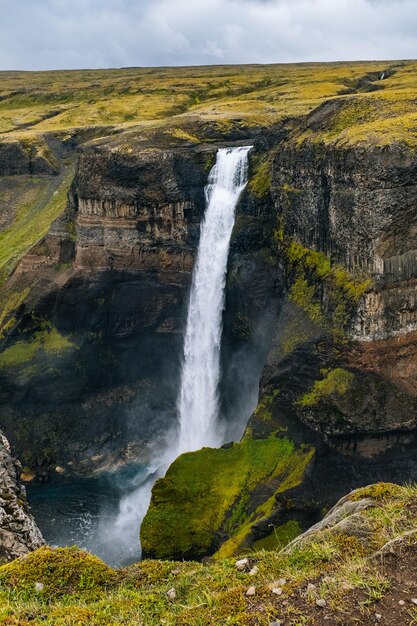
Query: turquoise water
x,y
77,511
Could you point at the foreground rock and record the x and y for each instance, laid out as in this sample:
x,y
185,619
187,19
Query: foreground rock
x,y
18,531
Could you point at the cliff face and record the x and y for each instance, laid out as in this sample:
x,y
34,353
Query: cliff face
x,y
358,208
18,531
104,297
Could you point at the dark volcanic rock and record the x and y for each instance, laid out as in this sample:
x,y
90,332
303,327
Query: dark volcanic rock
x,y
18,531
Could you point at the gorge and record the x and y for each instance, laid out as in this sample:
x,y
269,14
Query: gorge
x,y
305,364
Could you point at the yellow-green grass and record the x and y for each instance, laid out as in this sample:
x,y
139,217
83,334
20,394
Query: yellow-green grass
x,y
60,100
79,589
43,200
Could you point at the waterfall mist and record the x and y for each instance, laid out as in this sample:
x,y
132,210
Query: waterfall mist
x,y
198,399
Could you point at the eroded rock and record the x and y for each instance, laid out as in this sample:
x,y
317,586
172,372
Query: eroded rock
x,y
18,531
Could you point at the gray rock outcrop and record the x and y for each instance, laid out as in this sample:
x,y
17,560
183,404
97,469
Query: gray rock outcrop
x,y
18,531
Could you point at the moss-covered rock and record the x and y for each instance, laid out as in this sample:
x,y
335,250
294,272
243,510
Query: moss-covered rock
x,y
52,572
336,381
48,340
327,292
212,496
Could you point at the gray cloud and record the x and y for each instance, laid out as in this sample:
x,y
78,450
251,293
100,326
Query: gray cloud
x,y
43,34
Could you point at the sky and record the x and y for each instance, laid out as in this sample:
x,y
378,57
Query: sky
x,y
64,34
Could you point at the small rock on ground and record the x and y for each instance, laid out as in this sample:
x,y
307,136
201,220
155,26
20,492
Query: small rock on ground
x,y
277,591
242,565
171,594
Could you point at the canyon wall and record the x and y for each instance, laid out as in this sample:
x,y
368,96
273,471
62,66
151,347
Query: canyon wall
x,y
320,307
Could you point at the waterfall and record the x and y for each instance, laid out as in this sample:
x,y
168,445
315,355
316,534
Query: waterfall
x,y
198,398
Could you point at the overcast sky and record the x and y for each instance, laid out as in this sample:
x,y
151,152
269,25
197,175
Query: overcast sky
x,y
54,34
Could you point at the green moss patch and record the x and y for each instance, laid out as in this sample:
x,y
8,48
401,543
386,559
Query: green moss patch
x,y
33,219
279,537
259,183
59,571
263,410
326,292
208,494
48,340
11,302
335,382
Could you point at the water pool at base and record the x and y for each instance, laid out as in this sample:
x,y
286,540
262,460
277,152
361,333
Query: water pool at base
x,y
80,511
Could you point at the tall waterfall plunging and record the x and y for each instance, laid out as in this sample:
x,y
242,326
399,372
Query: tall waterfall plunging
x,y
198,399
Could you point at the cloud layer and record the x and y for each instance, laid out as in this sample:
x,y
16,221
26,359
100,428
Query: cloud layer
x,y
55,34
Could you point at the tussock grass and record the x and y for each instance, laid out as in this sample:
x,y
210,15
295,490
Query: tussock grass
x,y
55,101
79,589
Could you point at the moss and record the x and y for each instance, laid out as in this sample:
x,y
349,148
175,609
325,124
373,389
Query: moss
x,y
263,410
193,503
33,221
279,537
336,382
48,340
303,294
287,188
259,183
326,292
378,491
12,301
62,571
296,332
71,230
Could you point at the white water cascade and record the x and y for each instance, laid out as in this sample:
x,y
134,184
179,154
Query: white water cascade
x,y
198,397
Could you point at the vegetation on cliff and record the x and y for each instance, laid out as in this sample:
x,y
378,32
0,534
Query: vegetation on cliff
x,y
39,201
336,381
47,339
358,562
327,292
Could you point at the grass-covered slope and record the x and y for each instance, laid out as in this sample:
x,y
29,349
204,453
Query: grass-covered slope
x,y
39,201
41,102
357,564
